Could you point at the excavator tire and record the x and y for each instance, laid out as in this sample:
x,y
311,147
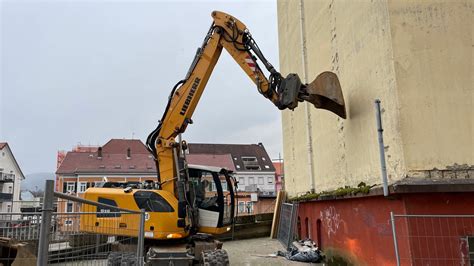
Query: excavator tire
x,y
216,257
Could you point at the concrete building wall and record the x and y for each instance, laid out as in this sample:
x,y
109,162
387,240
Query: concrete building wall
x,y
433,57
376,49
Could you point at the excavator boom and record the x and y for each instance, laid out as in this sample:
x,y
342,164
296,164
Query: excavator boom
x,y
284,92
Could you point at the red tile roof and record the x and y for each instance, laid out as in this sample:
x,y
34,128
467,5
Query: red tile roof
x,y
114,159
218,160
121,146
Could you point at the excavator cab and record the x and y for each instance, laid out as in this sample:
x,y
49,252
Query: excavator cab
x,y
212,191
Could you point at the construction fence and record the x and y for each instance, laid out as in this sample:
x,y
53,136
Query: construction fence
x,y
287,226
69,230
433,239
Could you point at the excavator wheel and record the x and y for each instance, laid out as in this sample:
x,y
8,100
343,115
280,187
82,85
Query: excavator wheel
x,y
216,257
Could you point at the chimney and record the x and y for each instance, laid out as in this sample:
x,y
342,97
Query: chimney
x,y
129,153
99,153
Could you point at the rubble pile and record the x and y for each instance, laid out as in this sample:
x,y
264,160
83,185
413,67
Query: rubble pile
x,y
303,251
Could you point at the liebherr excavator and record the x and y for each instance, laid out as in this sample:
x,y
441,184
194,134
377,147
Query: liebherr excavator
x,y
179,204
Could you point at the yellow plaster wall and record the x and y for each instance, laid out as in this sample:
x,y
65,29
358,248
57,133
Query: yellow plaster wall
x,y
433,58
295,146
415,56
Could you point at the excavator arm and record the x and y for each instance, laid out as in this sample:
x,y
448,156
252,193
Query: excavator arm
x,y
285,93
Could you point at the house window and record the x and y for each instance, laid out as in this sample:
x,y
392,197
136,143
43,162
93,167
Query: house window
x,y
249,207
242,180
249,159
213,187
270,180
241,206
250,163
68,222
9,208
224,185
70,186
252,167
69,206
251,181
260,181
81,187
10,189
470,243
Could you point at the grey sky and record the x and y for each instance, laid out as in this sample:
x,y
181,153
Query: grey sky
x,y
88,71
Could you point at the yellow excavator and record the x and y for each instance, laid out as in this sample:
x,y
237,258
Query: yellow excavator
x,y
182,204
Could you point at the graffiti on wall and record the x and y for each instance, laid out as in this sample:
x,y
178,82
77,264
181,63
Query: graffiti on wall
x,y
331,220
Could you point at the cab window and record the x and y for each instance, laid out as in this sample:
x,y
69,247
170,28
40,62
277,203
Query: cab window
x,y
151,202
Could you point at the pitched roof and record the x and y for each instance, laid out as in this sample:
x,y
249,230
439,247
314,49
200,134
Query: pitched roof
x,y
237,151
121,146
218,160
5,144
114,159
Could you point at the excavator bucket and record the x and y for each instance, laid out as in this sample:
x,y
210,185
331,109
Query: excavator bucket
x,y
325,93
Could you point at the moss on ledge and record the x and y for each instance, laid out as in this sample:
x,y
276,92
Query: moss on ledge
x,y
362,188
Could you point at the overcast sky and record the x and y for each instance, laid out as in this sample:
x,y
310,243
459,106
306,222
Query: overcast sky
x,y
88,71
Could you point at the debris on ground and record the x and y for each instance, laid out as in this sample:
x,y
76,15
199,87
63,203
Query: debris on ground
x,y
303,251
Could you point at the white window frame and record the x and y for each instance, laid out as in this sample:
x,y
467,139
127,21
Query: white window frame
x,y
80,185
251,178
261,181
249,203
70,186
270,180
242,180
241,204
72,207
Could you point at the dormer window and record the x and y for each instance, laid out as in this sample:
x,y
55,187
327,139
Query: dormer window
x,y
250,163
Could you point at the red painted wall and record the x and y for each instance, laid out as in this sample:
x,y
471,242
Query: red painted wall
x,y
435,240
359,229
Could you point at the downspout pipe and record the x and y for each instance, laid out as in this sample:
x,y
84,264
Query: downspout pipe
x,y
309,137
383,165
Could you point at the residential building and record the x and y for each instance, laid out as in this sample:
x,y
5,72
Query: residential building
x,y
119,160
279,177
416,57
10,180
251,167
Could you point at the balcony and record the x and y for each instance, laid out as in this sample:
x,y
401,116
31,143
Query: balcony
x,y
4,177
4,197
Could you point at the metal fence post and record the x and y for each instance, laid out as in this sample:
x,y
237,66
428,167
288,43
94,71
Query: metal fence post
x,y
141,237
394,232
47,210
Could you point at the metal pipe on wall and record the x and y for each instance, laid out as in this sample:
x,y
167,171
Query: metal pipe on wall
x,y
383,166
309,138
